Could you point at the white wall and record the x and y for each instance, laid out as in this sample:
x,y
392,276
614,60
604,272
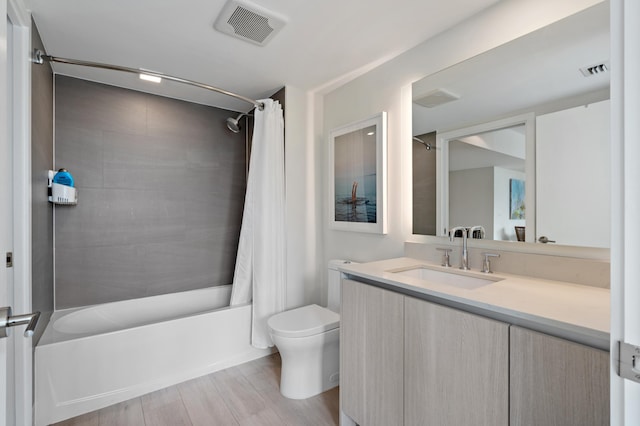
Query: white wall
x,y
304,220
388,88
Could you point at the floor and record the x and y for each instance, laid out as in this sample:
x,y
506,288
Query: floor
x,y
247,394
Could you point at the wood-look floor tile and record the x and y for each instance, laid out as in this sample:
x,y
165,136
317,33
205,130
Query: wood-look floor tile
x,y
264,417
89,419
269,390
246,395
165,408
326,407
204,403
240,396
123,414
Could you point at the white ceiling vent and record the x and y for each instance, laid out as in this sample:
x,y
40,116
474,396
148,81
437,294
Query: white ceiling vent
x,y
435,98
248,22
595,69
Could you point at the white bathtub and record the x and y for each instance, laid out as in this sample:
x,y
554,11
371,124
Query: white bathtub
x,y
90,358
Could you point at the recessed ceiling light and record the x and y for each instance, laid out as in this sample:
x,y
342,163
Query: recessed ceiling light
x,y
152,78
371,133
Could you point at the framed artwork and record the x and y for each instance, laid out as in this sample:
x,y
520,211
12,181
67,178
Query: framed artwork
x,y
358,176
516,199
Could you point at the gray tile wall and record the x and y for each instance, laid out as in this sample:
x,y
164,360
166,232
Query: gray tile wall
x,y
424,186
41,209
161,187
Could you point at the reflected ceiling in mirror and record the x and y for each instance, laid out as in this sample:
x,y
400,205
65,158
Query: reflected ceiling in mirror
x,y
539,72
498,148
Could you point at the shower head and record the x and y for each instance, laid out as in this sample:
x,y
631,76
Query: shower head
x,y
233,124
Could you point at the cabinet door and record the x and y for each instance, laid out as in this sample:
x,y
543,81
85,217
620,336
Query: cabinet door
x,y
557,382
456,367
371,354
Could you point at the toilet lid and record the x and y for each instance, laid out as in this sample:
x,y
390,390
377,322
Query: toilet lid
x,y
304,321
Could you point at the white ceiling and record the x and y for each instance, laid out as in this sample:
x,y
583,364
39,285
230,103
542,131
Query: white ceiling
x,y
322,42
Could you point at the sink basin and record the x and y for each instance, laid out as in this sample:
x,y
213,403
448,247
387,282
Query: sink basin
x,y
448,278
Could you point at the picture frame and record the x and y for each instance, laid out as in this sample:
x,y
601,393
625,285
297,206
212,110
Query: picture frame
x,y
358,176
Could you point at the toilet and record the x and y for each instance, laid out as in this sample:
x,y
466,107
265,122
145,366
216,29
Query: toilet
x,y
309,345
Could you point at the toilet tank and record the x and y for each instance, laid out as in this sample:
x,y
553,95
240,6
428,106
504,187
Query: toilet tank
x,y
333,284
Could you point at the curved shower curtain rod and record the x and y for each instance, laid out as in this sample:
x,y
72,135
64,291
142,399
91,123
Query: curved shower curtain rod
x,y
39,57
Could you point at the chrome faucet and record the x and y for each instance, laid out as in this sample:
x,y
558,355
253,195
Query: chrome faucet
x,y
464,259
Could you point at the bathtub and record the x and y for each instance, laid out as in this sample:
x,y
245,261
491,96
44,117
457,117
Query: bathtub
x,y
93,357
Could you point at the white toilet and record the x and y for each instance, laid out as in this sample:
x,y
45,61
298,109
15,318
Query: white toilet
x,y
308,341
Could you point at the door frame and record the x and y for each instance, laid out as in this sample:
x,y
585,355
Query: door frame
x,y
625,202
21,115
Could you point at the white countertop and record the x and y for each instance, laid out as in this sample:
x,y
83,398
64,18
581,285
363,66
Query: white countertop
x,y
571,311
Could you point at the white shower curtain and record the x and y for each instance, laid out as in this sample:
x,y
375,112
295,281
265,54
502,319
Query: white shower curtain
x,y
260,272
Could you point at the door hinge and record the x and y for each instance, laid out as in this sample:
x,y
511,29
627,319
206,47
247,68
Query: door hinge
x,y
9,259
629,361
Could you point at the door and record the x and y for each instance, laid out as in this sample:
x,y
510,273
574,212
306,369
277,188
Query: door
x,y
15,226
7,396
556,382
456,367
371,354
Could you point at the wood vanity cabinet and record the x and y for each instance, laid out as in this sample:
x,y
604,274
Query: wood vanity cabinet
x,y
557,382
371,354
406,361
455,367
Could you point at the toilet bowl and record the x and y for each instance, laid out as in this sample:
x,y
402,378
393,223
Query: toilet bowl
x,y
308,339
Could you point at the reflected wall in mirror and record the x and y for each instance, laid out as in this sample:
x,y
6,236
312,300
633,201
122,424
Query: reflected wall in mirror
x,y
487,181
557,76
424,183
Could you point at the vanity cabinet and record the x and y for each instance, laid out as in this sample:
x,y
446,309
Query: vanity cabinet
x,y
407,361
557,382
371,354
456,367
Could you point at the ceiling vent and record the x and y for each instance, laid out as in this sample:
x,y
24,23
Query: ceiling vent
x,y
595,69
435,98
248,22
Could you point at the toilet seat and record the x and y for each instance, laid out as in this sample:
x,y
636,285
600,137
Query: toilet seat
x,y
303,322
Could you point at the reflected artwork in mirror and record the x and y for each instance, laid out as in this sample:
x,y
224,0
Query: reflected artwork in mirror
x,y
533,111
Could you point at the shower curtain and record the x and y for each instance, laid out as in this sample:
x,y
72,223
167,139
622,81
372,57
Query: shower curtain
x,y
260,272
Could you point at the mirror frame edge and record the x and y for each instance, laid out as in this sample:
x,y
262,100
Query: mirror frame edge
x,y
442,166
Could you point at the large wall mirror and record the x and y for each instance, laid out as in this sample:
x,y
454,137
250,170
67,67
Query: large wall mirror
x,y
517,139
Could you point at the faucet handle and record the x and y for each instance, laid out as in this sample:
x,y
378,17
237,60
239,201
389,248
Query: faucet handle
x,y
445,256
479,229
486,265
463,230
